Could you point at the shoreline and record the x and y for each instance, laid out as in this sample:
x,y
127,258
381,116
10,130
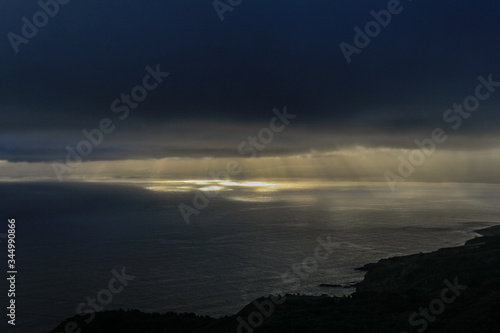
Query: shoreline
x,y
399,285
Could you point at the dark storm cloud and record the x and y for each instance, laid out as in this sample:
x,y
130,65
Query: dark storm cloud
x,y
263,55
199,140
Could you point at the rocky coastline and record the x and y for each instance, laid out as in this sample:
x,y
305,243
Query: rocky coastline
x,y
449,290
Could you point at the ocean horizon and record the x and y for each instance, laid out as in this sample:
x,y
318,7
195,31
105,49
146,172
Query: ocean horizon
x,y
251,239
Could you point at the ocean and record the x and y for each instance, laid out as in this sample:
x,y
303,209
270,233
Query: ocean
x,y
247,239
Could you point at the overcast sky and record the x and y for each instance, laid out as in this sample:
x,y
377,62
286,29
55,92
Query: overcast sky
x,y
225,78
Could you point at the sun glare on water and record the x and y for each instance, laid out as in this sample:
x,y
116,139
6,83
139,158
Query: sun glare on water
x,y
209,185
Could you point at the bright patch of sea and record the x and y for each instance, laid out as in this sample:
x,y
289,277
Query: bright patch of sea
x,y
71,235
